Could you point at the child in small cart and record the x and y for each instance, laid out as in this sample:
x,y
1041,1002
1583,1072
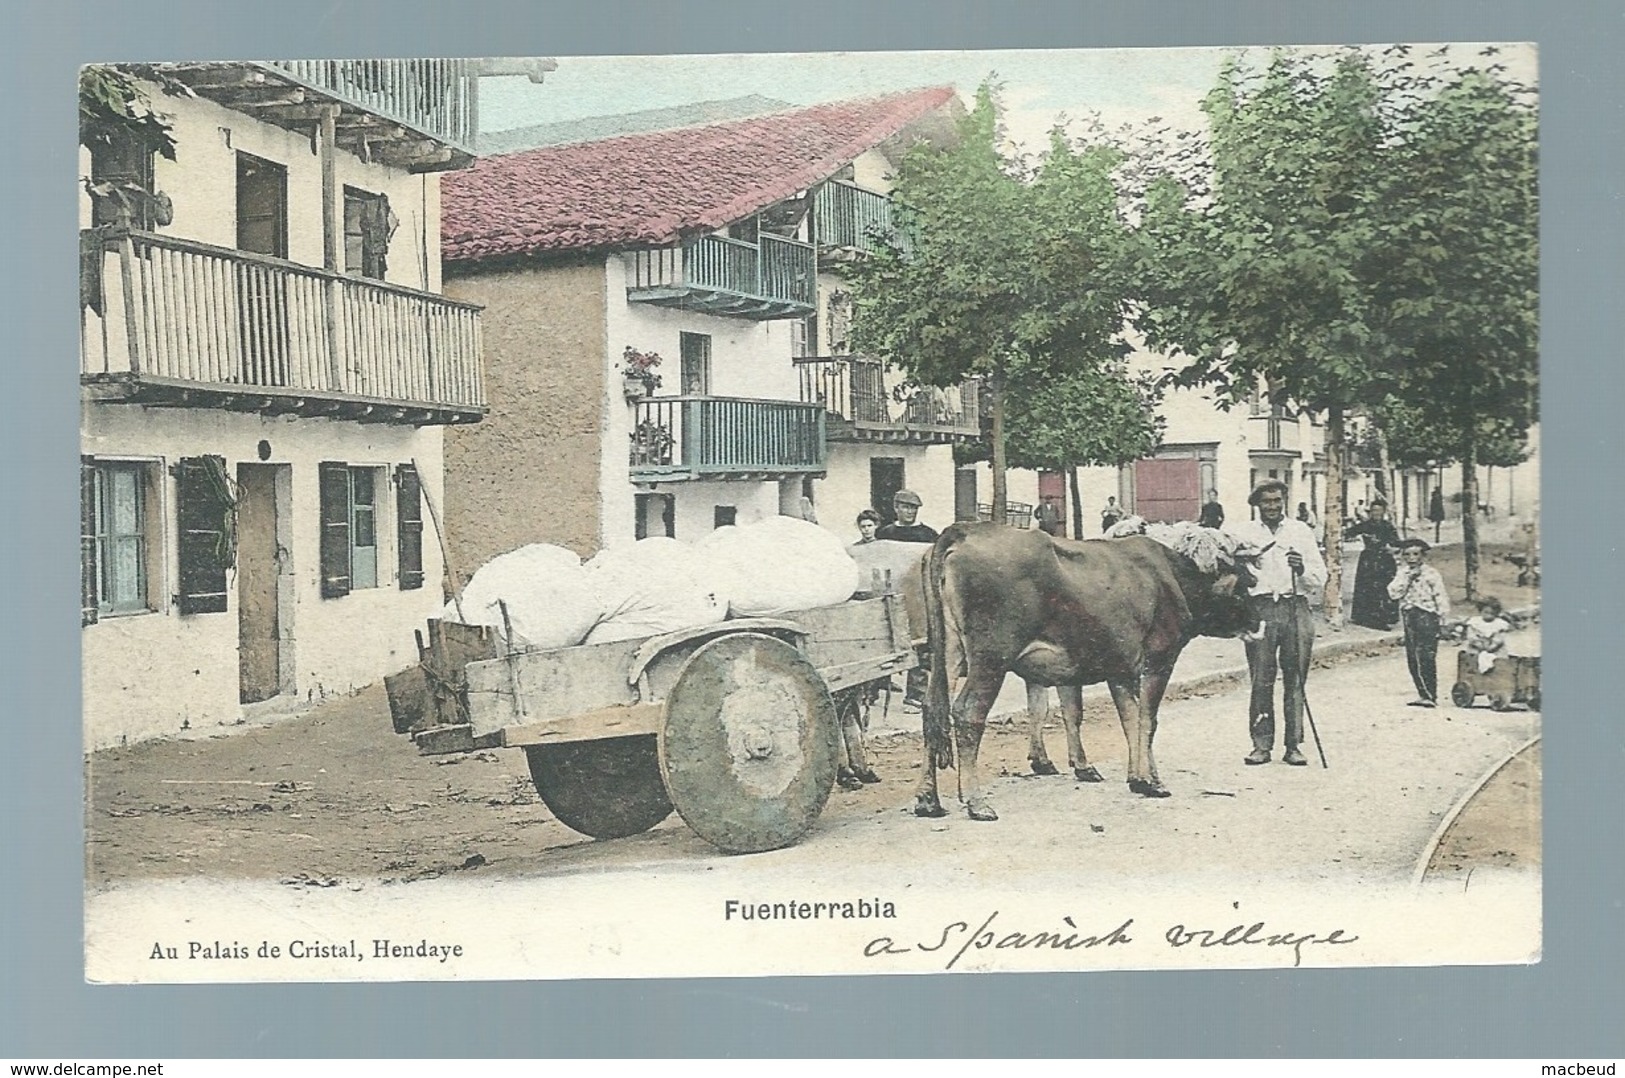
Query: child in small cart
x,y
1485,636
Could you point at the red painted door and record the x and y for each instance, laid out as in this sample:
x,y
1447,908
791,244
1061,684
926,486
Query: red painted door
x,y
1167,490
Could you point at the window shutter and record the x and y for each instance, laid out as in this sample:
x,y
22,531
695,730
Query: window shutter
x,y
89,571
204,515
335,496
409,526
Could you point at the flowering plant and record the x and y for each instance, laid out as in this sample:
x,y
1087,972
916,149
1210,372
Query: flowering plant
x,y
640,367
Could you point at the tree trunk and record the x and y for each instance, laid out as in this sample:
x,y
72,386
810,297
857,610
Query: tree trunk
x,y
1332,519
1469,517
1077,503
995,385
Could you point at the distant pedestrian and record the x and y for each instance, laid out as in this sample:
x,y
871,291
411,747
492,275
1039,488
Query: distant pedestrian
x,y
868,524
1372,606
1307,517
1212,515
1110,515
1423,604
1436,511
1049,516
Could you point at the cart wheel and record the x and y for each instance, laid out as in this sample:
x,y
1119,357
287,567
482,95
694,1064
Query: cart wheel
x,y
1534,701
1461,694
1499,701
609,788
748,748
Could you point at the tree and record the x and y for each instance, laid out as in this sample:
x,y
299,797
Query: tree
x,y
1464,304
1001,270
1260,255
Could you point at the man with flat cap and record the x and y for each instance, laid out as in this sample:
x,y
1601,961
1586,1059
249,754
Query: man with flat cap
x,y
1289,570
905,506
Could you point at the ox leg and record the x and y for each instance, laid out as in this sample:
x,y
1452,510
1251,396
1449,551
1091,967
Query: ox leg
x,y
1130,698
1037,710
970,721
1072,718
1152,686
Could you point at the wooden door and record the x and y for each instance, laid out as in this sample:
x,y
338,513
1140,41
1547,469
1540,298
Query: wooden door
x,y
259,622
1167,490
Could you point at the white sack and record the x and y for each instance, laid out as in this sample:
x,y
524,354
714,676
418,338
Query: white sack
x,y
780,565
655,585
550,600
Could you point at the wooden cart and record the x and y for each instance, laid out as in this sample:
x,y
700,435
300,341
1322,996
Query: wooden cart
x,y
736,724
1514,679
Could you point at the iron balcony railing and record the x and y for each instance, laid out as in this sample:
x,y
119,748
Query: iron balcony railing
x,y
773,278
853,388
178,312
848,216
699,436
436,97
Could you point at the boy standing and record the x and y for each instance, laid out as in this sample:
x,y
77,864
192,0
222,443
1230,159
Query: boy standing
x,y
1423,604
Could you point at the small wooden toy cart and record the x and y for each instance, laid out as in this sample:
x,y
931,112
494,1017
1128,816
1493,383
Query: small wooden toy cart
x,y
1515,679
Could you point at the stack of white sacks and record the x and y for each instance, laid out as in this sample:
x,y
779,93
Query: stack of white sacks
x,y
772,567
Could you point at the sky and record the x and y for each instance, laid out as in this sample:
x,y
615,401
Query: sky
x,y
1041,86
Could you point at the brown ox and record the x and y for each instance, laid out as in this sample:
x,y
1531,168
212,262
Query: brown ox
x,y
1067,613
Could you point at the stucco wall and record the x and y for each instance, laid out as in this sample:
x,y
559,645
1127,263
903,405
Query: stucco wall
x,y
927,470
202,184
154,673
530,471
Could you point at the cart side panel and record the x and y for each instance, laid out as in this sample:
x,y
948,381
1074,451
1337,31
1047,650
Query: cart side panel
x,y
536,686
856,641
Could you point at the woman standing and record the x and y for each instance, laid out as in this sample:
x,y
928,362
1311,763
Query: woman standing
x,y
1372,606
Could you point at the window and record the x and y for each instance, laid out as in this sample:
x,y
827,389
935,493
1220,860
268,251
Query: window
x,y
262,206
368,226
655,516
123,166
349,544
695,350
113,550
723,516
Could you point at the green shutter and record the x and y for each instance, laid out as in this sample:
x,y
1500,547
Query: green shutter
x,y
335,547
409,526
205,514
88,570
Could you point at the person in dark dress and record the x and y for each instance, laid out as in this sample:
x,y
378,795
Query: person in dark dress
x,y
908,529
1375,569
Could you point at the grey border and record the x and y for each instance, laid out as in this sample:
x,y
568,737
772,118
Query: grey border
x,y
1567,1007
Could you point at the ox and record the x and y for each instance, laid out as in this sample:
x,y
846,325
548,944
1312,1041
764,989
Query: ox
x,y
1067,613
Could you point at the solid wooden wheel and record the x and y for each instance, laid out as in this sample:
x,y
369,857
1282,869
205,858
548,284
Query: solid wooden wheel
x,y
609,788
748,747
1461,694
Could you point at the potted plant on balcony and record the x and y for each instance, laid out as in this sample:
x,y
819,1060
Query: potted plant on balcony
x,y
638,376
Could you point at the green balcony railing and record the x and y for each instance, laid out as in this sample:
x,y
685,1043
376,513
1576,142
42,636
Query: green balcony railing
x,y
853,389
434,96
774,278
696,436
847,216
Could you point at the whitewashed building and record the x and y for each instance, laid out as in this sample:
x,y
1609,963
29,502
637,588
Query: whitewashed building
x,y
267,369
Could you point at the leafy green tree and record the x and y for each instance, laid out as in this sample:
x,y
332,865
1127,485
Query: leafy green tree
x,y
1005,273
1464,280
1259,258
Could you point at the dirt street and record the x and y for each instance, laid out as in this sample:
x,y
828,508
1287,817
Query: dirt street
x,y
334,796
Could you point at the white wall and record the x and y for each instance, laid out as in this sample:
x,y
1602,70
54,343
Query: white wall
x,y
844,492
202,184
154,673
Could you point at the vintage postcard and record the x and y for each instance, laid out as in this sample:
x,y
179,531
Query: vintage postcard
x,y
810,514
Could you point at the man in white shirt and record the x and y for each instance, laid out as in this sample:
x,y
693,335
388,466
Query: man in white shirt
x,y
1289,570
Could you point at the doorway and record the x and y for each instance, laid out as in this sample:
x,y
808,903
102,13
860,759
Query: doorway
x,y
885,480
262,292
264,582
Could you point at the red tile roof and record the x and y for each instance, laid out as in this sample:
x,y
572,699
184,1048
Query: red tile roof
x,y
653,189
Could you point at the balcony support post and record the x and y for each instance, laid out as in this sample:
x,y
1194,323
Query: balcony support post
x,y
126,261
328,142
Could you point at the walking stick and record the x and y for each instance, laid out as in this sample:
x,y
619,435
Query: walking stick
x,y
1303,694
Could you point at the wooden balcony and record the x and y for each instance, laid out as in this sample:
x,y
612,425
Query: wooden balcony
x,y
773,278
1273,434
693,437
852,389
415,114
167,321
848,219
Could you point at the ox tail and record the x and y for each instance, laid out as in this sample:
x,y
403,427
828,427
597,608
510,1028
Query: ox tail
x,y
934,716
